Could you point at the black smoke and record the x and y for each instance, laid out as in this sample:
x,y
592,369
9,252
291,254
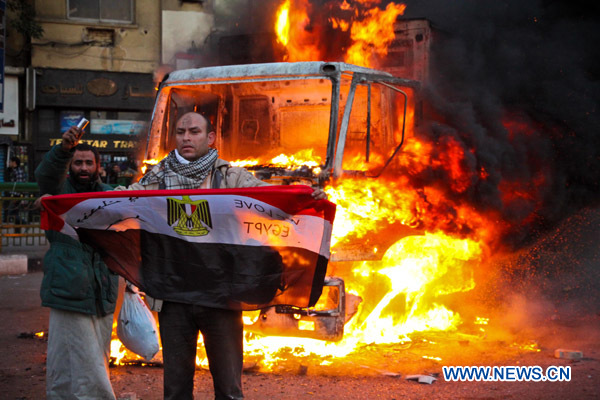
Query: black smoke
x,y
534,64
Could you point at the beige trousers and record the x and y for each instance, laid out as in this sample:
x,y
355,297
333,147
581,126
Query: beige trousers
x,y
78,356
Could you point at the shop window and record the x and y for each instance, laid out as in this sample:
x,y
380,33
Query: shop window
x,y
111,11
46,122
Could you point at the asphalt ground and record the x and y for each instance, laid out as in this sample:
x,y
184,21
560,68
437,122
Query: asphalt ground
x,y
549,296
22,364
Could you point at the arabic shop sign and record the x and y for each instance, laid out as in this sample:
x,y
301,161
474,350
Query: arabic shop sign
x,y
102,87
108,89
95,89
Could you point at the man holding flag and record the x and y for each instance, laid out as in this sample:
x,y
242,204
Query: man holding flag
x,y
77,285
194,164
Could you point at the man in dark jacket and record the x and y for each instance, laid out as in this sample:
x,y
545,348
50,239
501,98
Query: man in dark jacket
x,y
16,172
77,286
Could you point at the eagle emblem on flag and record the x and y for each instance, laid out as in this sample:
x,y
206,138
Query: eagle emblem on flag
x,y
189,218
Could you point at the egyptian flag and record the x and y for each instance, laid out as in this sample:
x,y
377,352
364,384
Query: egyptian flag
x,y
240,249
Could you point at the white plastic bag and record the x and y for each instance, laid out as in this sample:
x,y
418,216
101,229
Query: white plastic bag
x,y
136,327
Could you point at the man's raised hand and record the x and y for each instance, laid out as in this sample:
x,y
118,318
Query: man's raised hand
x,y
70,138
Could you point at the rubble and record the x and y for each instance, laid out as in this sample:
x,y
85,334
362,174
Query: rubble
x,y
568,354
302,370
382,371
425,379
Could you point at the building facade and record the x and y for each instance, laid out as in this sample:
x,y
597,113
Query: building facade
x,y
96,60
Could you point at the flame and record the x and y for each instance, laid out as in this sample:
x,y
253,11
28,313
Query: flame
x,y
340,24
369,31
415,271
147,163
201,361
282,27
531,346
418,269
301,158
117,351
372,35
366,206
292,31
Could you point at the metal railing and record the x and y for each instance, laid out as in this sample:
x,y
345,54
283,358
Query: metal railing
x,y
20,222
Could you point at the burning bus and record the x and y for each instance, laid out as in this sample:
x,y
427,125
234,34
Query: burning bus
x,y
400,247
310,123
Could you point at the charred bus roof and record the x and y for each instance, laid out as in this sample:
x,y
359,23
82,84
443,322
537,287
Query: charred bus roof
x,y
275,71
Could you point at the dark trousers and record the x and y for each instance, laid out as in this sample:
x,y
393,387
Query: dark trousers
x,y
222,331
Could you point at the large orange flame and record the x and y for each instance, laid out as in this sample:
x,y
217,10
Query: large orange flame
x,y
371,31
282,27
372,35
291,31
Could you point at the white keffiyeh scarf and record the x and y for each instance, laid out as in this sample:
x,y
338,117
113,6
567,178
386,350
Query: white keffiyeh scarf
x,y
176,175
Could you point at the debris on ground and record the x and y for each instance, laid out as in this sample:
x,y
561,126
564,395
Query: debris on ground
x,y
425,379
383,372
568,354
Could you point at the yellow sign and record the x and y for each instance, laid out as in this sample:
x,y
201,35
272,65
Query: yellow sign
x,y
102,144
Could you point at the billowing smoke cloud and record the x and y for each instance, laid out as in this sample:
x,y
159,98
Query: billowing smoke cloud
x,y
516,83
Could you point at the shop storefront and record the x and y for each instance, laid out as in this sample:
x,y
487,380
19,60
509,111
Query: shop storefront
x,y
118,106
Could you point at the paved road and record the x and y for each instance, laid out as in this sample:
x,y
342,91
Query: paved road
x,y
559,281
22,365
